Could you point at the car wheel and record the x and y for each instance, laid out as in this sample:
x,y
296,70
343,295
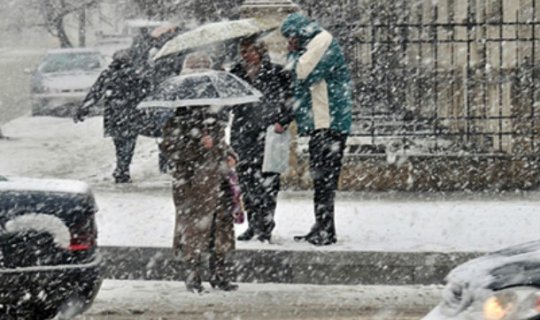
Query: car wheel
x,y
37,109
74,306
80,302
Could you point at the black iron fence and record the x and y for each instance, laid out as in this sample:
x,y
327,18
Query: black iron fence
x,y
441,77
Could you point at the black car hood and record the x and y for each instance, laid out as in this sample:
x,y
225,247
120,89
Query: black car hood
x,y
514,266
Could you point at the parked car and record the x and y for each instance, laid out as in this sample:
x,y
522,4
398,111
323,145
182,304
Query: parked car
x,y
49,260
62,80
502,285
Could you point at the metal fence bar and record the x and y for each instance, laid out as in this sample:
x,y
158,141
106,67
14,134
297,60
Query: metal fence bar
x,y
467,91
533,83
501,12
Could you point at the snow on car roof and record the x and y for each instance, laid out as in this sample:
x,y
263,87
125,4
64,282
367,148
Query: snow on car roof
x,y
47,185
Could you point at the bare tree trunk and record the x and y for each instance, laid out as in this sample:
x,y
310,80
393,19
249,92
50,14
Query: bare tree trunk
x,y
61,33
82,27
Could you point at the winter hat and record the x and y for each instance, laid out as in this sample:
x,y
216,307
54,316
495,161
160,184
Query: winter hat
x,y
299,26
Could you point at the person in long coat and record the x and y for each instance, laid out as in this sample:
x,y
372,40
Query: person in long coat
x,y
323,100
249,125
200,160
122,86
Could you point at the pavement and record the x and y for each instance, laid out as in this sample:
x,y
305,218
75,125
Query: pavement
x,y
129,299
385,239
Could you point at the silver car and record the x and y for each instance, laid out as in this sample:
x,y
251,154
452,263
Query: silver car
x,y
504,285
62,80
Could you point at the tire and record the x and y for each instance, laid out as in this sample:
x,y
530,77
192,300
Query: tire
x,y
36,112
37,109
74,306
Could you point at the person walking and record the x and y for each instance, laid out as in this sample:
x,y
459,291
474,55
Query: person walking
x,y
122,85
200,160
249,125
323,100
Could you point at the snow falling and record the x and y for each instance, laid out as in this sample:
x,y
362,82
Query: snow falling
x,y
269,159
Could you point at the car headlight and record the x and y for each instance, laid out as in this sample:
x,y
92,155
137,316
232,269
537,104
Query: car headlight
x,y
513,303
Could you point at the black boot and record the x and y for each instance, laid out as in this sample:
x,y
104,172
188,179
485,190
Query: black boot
x,y
193,277
322,238
218,274
314,230
265,235
221,284
247,235
326,234
121,176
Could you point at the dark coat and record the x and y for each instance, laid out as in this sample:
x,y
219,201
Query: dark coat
x,y
122,87
203,210
251,120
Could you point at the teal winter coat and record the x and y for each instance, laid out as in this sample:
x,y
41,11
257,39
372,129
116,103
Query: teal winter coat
x,y
322,83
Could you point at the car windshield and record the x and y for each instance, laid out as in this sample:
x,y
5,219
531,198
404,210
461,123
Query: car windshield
x,y
63,62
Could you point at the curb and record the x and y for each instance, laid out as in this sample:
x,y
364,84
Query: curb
x,y
298,267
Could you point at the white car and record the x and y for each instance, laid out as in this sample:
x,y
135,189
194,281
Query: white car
x,y
62,80
504,285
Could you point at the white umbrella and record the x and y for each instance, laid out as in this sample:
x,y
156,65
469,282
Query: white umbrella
x,y
216,32
209,87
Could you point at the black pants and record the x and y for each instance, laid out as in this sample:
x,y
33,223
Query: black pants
x,y
259,191
325,161
125,146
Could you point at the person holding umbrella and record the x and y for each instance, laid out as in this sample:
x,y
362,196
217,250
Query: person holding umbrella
x,y
248,130
200,160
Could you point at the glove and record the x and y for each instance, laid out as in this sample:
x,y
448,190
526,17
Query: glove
x,y
79,115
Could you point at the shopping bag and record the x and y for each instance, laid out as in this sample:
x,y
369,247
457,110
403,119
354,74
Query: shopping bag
x,y
276,151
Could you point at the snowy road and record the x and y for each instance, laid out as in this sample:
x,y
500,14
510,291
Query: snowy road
x,y
122,300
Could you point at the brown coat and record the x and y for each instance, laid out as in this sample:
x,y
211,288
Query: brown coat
x,y
203,218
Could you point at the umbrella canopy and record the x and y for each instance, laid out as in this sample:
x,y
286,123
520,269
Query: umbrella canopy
x,y
210,87
216,32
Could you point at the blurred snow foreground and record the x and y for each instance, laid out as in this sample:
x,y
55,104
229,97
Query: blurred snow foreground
x,y
216,32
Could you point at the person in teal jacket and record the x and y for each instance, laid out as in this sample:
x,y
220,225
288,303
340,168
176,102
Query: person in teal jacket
x,y
323,102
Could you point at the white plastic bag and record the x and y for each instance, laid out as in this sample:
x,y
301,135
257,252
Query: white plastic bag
x,y
276,151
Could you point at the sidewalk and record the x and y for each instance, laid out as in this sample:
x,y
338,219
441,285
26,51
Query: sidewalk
x,y
399,238
170,300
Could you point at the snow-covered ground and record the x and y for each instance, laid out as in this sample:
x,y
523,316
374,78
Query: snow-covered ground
x,y
121,299
141,214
